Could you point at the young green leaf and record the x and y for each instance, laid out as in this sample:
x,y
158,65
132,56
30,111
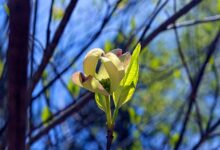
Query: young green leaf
x,y
108,46
129,82
133,23
45,115
74,89
57,13
101,101
6,9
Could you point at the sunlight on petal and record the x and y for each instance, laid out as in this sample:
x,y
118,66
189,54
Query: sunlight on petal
x,y
115,72
117,52
91,60
93,85
125,59
76,78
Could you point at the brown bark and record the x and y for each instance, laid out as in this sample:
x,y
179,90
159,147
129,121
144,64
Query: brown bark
x,y
17,59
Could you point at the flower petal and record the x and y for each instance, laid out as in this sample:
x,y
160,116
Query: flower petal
x,y
77,78
125,59
102,73
114,68
114,59
91,60
117,52
89,83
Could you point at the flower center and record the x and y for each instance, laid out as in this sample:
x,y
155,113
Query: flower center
x,y
98,66
106,84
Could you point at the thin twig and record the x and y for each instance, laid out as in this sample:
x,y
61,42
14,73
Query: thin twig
x,y
32,59
216,95
94,38
152,18
48,25
209,128
51,47
182,57
183,60
62,116
169,21
194,22
199,118
193,94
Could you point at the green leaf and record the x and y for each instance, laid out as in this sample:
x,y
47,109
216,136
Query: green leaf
x,y
133,23
6,8
108,46
123,4
1,67
74,89
211,60
177,74
174,138
120,37
164,128
44,75
129,82
45,115
134,117
57,13
115,135
101,101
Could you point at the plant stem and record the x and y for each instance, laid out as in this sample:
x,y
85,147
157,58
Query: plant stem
x,y
115,114
110,123
108,112
109,138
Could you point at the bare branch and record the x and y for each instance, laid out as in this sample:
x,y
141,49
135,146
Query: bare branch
x,y
193,94
199,118
62,117
17,60
51,47
195,22
32,56
216,95
93,39
169,21
48,25
152,18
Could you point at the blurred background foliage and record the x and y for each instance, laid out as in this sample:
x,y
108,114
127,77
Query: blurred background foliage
x,y
154,116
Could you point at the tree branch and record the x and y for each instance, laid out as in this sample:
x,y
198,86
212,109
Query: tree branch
x,y
48,24
192,96
17,60
51,47
169,21
195,22
93,39
152,18
216,95
32,56
61,117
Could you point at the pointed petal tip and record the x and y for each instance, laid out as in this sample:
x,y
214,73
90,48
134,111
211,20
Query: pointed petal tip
x,y
118,52
90,61
76,78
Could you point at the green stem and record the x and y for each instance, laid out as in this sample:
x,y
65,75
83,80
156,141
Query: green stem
x,y
115,114
108,112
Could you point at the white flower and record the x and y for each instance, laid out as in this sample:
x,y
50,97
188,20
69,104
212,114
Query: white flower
x,y
102,78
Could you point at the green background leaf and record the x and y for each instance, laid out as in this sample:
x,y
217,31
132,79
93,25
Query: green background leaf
x,y
46,114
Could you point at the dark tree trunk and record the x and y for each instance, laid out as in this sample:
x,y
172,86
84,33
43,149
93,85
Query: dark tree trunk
x,y
17,59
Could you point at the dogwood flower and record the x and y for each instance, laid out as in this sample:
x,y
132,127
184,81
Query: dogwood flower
x,y
103,72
